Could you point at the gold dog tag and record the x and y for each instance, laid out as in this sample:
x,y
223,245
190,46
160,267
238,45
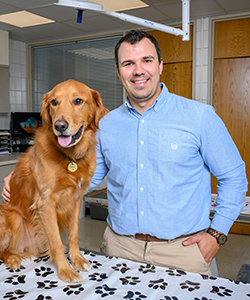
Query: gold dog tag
x,y
72,166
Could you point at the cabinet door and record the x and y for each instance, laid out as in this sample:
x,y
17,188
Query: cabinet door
x,y
4,88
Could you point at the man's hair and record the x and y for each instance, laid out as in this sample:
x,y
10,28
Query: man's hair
x,y
133,37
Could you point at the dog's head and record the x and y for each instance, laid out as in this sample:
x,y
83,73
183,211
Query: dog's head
x,y
69,109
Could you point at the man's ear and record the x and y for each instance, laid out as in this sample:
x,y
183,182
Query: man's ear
x,y
118,72
161,66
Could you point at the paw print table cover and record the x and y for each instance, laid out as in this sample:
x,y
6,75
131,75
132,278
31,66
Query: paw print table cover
x,y
114,278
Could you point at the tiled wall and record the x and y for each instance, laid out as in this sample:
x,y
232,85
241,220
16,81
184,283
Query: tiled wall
x,y
17,59
201,63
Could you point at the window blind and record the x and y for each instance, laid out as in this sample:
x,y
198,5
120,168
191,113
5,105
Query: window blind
x,y
90,61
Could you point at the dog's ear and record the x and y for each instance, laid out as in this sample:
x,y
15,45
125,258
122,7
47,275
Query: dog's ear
x,y
101,111
45,110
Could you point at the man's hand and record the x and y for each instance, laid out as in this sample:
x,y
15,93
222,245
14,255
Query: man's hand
x,y
6,188
206,243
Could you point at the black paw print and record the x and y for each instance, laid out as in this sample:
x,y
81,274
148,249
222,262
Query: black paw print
x,y
236,281
42,297
221,291
15,279
110,257
98,277
47,284
18,294
44,272
123,268
147,268
206,277
134,296
159,283
75,289
130,280
44,258
172,272
16,270
105,290
203,298
95,264
173,298
190,286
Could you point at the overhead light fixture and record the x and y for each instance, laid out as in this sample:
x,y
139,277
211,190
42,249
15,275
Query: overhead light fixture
x,y
87,5
24,19
116,5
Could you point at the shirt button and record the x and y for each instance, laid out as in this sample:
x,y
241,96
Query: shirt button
x,y
142,212
142,142
142,120
141,189
142,165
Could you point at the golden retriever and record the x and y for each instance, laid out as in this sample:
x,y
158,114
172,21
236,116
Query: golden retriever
x,y
50,179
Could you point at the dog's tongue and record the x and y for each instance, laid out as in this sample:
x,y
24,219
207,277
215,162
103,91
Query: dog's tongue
x,y
63,140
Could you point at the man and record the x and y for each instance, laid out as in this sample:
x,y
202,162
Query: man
x,y
157,151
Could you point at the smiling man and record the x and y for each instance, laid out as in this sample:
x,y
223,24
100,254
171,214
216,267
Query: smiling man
x,y
157,151
139,70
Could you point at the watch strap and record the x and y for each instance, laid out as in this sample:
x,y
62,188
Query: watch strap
x,y
216,234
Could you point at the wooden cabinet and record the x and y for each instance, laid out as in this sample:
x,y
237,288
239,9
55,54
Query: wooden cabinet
x,y
231,90
177,62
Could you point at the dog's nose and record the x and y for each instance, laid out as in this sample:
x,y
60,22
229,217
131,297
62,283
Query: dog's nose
x,y
61,125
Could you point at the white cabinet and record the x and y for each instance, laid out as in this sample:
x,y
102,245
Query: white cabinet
x,y
4,48
4,72
7,164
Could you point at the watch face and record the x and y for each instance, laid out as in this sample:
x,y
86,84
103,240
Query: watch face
x,y
223,240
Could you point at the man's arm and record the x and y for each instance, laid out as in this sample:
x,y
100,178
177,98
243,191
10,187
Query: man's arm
x,y
221,156
6,188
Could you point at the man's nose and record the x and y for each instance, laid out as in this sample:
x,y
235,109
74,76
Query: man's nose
x,y
138,69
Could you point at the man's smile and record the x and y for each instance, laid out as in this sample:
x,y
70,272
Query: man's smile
x,y
140,82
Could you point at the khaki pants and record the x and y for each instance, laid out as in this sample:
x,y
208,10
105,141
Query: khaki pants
x,y
170,254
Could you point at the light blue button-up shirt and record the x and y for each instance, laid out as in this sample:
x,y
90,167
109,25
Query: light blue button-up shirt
x,y
158,168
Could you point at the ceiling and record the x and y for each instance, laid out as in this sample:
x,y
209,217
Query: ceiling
x,y
65,25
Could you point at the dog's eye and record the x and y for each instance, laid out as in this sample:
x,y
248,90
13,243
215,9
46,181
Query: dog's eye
x,y
78,101
54,102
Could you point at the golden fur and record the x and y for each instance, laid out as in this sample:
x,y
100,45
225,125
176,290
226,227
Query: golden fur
x,y
45,195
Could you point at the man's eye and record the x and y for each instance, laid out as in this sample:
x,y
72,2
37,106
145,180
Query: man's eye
x,y
78,101
54,102
127,64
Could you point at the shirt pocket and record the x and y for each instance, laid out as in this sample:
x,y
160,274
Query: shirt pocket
x,y
174,146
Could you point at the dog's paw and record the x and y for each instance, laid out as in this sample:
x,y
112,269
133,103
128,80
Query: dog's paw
x,y
87,266
80,263
70,275
13,261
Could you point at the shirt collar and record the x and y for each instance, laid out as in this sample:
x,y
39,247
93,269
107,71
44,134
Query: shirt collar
x,y
158,101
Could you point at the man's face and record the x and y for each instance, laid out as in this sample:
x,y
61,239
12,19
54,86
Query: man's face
x,y
139,71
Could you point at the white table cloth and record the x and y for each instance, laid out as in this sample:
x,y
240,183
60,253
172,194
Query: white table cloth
x,y
115,278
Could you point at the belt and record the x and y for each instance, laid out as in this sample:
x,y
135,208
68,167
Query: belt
x,y
149,238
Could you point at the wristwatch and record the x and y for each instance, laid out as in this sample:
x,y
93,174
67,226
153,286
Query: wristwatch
x,y
220,237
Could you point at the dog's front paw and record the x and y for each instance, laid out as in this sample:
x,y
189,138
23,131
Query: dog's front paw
x,y
70,275
80,263
13,260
